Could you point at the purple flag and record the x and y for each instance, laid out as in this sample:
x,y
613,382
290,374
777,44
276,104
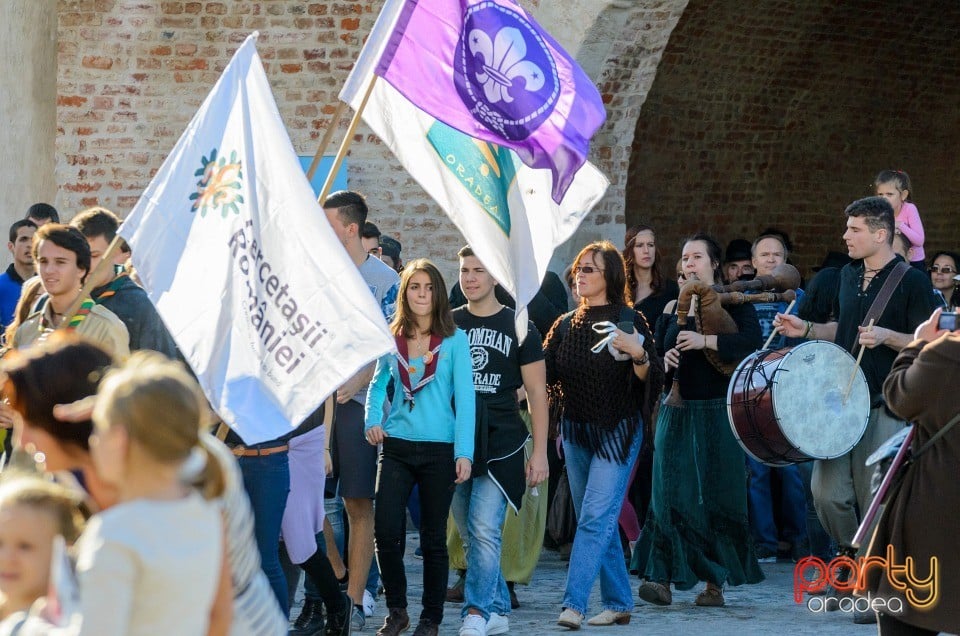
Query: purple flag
x,y
487,69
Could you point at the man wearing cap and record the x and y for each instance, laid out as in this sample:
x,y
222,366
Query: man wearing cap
x,y
738,261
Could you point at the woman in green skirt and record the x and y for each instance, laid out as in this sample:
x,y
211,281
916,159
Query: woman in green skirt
x,y
697,527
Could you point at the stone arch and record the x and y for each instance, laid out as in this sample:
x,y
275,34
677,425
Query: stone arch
x,y
620,48
780,113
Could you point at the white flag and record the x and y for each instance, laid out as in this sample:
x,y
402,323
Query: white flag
x,y
241,263
503,207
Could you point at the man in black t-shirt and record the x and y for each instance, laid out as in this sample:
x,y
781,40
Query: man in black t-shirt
x,y
501,365
841,486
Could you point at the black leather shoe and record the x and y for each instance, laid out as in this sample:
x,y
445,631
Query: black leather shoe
x,y
514,601
842,575
338,623
396,623
427,627
310,620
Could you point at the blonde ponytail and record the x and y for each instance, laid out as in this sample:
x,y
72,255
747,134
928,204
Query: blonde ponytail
x,y
163,410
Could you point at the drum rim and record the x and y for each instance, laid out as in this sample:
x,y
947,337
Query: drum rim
x,y
732,424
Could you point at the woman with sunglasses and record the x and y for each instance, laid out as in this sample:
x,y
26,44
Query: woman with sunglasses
x,y
605,380
943,268
427,438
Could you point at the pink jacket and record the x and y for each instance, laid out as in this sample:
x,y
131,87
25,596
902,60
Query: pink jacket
x,y
908,222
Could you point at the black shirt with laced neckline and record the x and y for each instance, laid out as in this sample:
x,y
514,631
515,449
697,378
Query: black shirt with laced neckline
x,y
912,302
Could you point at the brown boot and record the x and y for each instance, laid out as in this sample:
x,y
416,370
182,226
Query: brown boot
x,y
711,596
426,627
396,623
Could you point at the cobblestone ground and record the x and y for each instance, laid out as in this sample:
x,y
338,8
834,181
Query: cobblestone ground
x,y
766,608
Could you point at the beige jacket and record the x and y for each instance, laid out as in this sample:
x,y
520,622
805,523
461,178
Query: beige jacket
x,y
101,326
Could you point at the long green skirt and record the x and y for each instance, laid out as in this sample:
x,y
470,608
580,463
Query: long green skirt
x,y
522,534
697,528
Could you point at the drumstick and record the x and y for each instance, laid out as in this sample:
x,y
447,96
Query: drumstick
x,y
773,334
853,376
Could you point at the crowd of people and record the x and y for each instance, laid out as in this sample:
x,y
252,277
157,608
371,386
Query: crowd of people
x,y
118,471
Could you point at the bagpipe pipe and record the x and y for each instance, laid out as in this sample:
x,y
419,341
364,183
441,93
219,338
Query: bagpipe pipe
x,y
712,319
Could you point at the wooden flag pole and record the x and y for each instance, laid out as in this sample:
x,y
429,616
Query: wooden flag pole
x,y
327,138
345,144
92,275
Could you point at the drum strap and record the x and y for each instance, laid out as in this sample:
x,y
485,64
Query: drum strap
x,y
886,292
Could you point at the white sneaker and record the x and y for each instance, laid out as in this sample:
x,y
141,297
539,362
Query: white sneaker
x,y
473,625
369,604
497,624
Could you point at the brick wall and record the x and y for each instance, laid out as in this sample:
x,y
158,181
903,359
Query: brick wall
x,y
781,113
132,72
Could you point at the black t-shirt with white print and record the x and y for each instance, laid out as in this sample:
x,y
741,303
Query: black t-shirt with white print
x,y
497,358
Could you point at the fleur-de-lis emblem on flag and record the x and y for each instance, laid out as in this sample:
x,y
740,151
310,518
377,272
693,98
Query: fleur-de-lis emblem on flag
x,y
502,63
219,185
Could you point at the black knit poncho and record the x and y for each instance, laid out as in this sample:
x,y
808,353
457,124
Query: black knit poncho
x,y
596,393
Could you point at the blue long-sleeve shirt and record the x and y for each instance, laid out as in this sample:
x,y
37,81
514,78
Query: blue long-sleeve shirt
x,y
432,419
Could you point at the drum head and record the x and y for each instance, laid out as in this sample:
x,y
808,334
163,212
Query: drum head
x,y
808,402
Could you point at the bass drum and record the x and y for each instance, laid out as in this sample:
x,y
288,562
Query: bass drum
x,y
788,406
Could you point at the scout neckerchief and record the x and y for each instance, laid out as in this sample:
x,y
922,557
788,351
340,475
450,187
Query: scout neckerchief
x,y
112,287
429,358
82,312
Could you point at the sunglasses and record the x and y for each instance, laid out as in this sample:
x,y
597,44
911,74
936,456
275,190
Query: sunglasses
x,y
586,269
946,269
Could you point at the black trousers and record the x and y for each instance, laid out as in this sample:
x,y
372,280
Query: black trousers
x,y
431,466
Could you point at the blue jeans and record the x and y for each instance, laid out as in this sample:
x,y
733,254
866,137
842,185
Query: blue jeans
x,y
821,545
266,479
597,487
479,508
793,506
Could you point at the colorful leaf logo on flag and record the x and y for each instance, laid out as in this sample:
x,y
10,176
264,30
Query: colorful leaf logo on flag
x,y
219,185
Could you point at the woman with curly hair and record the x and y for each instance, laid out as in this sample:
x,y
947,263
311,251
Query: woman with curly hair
x,y
604,374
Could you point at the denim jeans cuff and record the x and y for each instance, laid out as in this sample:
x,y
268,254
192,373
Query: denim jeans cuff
x,y
575,608
618,608
466,610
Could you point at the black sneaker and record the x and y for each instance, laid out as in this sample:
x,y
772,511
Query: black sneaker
x,y
310,620
338,623
765,554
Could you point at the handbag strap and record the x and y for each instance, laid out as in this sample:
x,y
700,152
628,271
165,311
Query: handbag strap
x,y
886,292
936,436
